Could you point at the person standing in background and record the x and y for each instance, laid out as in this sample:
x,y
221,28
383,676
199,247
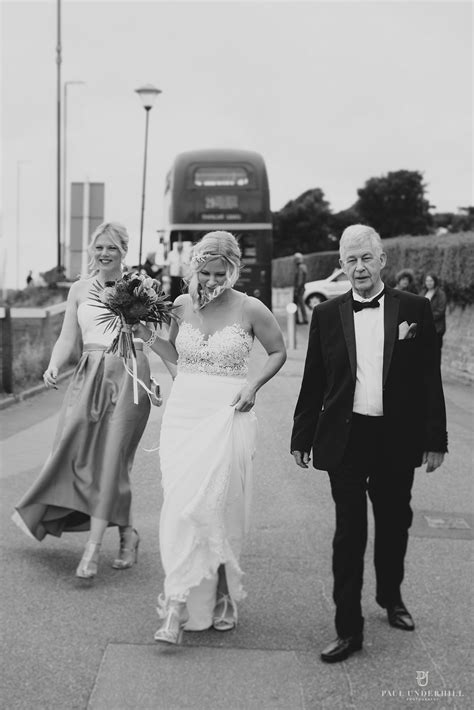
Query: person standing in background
x,y
406,281
437,297
176,268
151,267
301,273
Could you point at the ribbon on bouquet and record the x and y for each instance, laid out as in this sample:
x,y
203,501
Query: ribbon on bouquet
x,y
127,351
137,381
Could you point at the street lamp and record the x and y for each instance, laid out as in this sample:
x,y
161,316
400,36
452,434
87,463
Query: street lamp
x,y
65,196
58,133
19,163
148,94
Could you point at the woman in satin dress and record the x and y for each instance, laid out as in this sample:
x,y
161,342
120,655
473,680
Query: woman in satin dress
x,y
208,438
85,483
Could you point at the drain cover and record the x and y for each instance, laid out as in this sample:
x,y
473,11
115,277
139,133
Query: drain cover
x,y
433,523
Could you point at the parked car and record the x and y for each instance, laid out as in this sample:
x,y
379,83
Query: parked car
x,y
318,291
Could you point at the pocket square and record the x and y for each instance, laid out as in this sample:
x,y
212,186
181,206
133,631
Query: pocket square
x,y
406,331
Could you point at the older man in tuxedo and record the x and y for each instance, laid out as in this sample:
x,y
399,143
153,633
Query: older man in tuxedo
x,y
371,409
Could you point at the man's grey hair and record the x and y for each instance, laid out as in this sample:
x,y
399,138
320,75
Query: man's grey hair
x,y
359,231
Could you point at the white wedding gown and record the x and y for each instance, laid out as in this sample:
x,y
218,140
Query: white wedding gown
x,y
206,451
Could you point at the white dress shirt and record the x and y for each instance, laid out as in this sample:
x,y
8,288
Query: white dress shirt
x,y
176,263
369,337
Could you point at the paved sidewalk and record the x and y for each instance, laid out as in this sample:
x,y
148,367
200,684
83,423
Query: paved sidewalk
x,y
73,645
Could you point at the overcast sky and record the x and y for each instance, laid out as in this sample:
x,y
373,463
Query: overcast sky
x,y
330,93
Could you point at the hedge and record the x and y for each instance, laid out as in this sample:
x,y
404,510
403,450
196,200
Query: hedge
x,y
450,257
35,297
319,265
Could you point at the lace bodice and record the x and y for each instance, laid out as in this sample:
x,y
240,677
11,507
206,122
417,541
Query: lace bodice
x,y
225,352
93,331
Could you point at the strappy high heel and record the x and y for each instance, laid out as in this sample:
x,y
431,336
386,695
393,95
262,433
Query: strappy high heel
x,y
128,552
171,630
225,613
87,568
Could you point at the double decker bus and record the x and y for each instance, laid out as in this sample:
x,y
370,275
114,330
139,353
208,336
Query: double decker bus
x,y
209,190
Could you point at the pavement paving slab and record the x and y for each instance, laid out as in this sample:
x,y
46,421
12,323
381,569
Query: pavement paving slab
x,y
197,678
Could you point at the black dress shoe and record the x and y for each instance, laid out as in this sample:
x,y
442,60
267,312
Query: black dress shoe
x,y
341,648
399,617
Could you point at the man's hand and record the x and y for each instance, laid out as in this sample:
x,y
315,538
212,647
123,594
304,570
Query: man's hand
x,y
433,460
301,458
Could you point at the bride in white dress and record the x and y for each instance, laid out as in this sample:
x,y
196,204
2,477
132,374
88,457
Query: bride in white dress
x,y
208,439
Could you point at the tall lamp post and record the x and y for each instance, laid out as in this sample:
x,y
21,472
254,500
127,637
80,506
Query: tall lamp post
x,y
19,163
148,94
58,134
65,197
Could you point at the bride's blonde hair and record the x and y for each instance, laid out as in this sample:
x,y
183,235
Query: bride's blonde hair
x,y
213,245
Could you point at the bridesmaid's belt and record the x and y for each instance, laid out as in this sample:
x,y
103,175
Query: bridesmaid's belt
x,y
90,347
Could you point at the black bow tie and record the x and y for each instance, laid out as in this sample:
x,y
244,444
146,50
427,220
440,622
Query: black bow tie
x,y
360,305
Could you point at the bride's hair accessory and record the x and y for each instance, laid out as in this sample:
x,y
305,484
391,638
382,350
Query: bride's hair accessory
x,y
199,259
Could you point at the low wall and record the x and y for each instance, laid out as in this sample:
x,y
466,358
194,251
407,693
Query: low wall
x,y
26,341
458,344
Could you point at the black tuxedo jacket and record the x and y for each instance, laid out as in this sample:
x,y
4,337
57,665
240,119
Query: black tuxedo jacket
x,y
413,400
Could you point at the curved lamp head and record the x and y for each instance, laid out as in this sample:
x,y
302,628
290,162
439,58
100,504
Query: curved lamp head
x,y
148,94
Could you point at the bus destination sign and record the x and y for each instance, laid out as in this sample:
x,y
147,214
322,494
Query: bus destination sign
x,y
221,202
221,217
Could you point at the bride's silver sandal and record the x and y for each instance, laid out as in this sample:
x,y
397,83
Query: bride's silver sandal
x,y
225,613
171,630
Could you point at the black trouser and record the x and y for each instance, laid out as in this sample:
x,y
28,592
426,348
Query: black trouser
x,y
368,467
176,287
298,298
439,345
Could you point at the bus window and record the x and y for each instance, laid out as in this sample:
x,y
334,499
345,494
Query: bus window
x,y
220,176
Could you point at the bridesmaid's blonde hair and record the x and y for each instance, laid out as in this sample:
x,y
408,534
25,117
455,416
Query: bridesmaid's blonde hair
x,y
117,234
213,245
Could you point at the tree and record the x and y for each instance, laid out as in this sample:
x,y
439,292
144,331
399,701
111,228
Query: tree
x,y
395,204
340,220
303,225
462,221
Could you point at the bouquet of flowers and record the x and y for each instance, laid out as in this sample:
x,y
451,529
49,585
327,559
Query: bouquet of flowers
x,y
133,298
